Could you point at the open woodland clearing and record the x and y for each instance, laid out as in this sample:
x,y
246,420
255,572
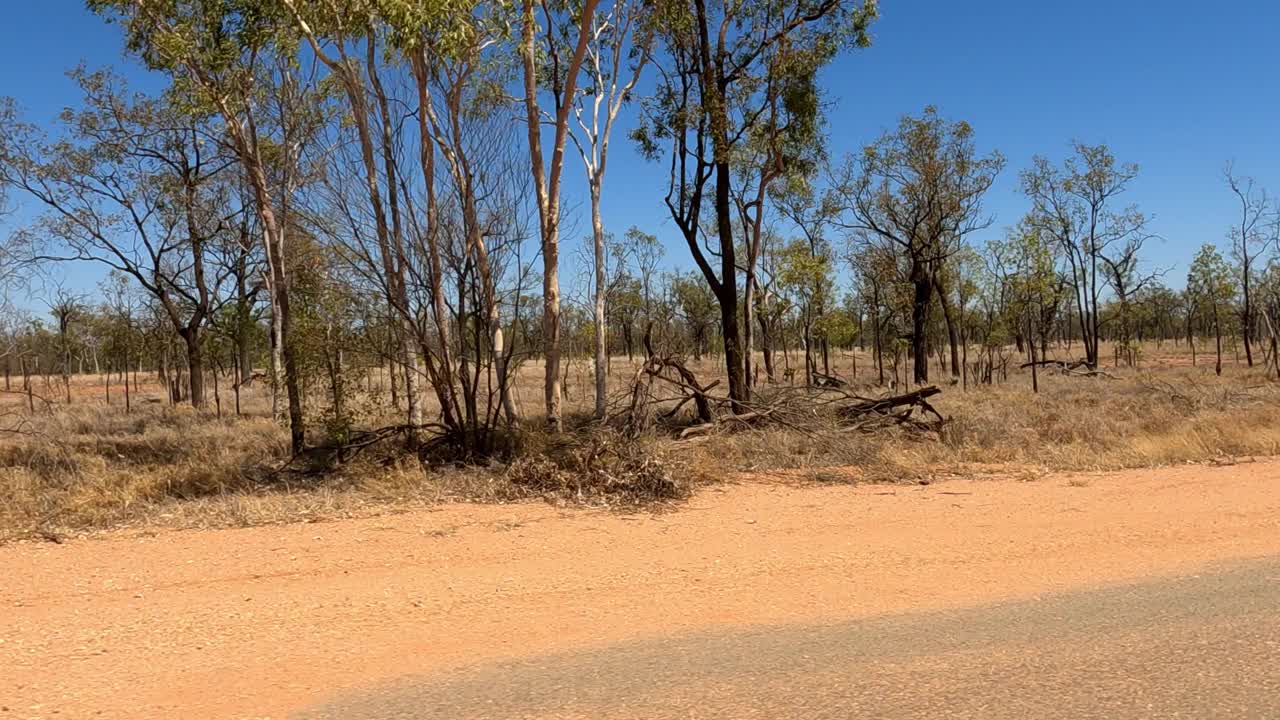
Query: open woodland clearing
x,y
924,365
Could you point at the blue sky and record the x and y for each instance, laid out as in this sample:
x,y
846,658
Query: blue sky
x,y
1178,87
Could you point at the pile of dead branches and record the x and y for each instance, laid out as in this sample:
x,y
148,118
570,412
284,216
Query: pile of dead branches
x,y
599,467
665,394
660,389
1194,395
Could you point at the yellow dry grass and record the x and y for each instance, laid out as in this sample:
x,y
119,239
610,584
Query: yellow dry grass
x,y
91,466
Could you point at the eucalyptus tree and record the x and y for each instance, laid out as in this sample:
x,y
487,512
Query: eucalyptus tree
x,y
876,275
219,51
775,167
1210,284
457,60
345,37
798,204
710,95
646,252
695,305
620,42
965,271
459,67
1162,307
122,301
547,175
768,304
918,190
1025,265
807,277
1075,205
68,312
240,257
1127,279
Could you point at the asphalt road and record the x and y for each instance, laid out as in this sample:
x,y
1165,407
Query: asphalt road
x,y
1205,646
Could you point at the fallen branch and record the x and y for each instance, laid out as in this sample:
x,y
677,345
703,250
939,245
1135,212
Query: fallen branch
x,y
1089,373
883,406
335,452
824,380
1062,365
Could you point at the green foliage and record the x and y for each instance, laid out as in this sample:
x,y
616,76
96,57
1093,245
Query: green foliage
x,y
203,44
1210,282
919,188
803,275
696,304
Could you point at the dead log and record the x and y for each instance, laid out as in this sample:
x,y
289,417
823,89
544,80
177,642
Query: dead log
x,y
1089,373
694,431
885,406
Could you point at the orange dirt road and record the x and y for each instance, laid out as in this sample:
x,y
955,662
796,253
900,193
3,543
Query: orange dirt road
x,y
262,622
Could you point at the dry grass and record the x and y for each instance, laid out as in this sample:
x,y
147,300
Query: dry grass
x,y
1139,419
92,466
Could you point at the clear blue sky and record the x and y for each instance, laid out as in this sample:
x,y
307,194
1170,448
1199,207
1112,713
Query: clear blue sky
x,y
1178,87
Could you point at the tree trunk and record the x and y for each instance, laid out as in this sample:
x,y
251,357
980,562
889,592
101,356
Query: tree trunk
x,y
547,187
1217,335
920,321
748,323
245,365
810,365
739,391
1191,341
444,380
336,389
244,137
952,338
237,373
597,230
1035,376
1247,319
766,346
1275,355
217,394
195,367
128,406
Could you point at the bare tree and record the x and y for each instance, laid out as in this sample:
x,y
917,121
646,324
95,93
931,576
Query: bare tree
x,y
1247,237
138,188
